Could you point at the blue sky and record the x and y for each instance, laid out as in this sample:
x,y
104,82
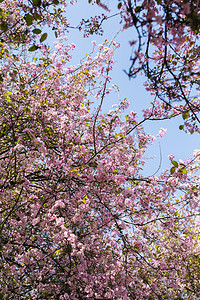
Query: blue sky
x,y
175,141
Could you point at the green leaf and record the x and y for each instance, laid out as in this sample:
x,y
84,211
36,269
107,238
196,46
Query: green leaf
x,y
174,163
33,48
183,170
56,34
56,2
181,127
1,1
172,170
57,252
43,37
185,115
37,31
36,2
3,26
158,1
89,1
37,17
138,9
28,19
192,130
119,5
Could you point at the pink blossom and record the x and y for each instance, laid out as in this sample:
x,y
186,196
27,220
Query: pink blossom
x,y
161,132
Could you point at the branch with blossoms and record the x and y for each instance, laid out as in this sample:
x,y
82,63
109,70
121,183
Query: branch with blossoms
x,y
78,219
166,51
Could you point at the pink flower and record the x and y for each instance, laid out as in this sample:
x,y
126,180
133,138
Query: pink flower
x,y
171,157
161,132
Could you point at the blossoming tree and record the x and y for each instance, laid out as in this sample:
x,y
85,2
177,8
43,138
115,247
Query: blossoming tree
x,y
78,220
